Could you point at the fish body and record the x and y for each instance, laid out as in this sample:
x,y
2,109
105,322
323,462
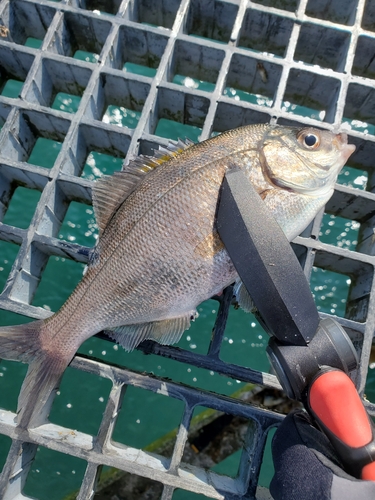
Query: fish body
x,y
262,72
159,255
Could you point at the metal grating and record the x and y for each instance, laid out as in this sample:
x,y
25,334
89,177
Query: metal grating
x,y
306,62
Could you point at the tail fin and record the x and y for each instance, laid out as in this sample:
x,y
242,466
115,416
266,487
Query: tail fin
x,y
29,343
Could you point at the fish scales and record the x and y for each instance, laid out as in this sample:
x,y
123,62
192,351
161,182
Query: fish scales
x,y
159,254
151,259
184,196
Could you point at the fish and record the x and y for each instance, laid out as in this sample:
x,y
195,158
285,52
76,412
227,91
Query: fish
x,y
159,254
262,72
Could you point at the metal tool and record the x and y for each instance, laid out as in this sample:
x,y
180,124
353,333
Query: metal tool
x,y
314,359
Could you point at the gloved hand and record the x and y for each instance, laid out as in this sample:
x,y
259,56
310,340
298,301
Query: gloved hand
x,y
306,467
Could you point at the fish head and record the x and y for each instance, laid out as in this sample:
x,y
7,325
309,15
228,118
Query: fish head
x,y
304,160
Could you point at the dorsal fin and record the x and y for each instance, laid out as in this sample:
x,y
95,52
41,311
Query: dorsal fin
x,y
111,190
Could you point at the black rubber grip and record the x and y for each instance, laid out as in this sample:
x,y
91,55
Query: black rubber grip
x,y
265,262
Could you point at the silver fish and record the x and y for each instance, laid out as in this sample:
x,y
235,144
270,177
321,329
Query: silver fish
x,y
159,255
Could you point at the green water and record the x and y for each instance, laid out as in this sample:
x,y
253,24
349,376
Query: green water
x,y
146,415
139,69
83,55
66,102
193,83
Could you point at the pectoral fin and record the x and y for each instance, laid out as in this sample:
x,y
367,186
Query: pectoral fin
x,y
243,298
168,331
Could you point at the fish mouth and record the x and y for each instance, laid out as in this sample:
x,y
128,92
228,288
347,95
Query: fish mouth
x,y
346,149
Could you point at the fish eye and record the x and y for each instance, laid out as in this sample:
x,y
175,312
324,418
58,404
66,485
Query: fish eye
x,y
311,141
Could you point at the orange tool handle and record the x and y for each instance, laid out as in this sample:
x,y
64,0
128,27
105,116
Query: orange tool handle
x,y
337,407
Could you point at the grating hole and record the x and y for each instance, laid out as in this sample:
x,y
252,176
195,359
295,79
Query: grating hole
x,y
197,338
45,152
12,374
121,117
96,150
193,83
267,469
368,18
187,495
139,425
138,47
370,381
35,139
8,254
154,12
8,318
175,130
359,111
22,207
322,46
364,60
106,6
55,472
231,116
179,114
80,36
33,43
26,22
83,55
336,12
366,238
229,466
252,81
50,295
290,5
311,95
353,177
119,101
14,68
339,231
265,32
363,159
58,86
240,95
79,225
5,444
244,339
207,431
99,164
128,484
66,102
139,69
330,291
213,19
81,411
4,112
12,88
358,125
196,66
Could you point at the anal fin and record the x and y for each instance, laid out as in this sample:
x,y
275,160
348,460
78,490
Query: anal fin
x,y
165,332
